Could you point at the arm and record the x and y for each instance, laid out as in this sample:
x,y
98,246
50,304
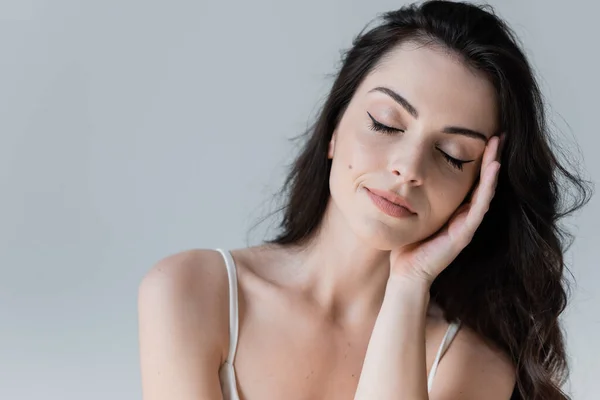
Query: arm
x,y
394,366
182,320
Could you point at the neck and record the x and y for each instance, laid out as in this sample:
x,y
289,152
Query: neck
x,y
342,272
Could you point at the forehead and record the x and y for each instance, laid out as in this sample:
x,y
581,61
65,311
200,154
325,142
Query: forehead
x,y
438,84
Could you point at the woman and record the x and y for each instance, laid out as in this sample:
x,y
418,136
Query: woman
x,y
386,281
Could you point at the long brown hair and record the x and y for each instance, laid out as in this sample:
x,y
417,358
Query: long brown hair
x,y
508,284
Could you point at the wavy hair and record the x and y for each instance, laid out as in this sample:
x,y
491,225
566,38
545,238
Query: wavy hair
x,y
509,283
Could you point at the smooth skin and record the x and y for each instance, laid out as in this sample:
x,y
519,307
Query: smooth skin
x,y
348,316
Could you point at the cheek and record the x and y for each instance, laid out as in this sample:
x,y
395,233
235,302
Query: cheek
x,y
355,158
358,146
364,153
447,196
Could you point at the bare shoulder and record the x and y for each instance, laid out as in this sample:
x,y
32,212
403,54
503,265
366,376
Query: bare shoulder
x,y
196,273
183,325
196,279
472,368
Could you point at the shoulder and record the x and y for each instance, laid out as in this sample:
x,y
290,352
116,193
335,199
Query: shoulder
x,y
472,368
183,326
186,271
187,293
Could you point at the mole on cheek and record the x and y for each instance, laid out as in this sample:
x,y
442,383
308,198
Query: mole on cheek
x,y
349,166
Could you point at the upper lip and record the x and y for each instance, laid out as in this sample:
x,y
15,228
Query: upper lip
x,y
394,198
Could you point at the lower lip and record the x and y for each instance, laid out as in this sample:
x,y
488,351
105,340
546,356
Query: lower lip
x,y
389,208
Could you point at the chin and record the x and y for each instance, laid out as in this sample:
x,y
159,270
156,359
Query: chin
x,y
377,235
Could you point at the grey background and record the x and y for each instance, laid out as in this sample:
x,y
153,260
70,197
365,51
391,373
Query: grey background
x,y
131,130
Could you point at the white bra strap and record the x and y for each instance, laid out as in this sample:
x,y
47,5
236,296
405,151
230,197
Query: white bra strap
x,y
233,304
448,337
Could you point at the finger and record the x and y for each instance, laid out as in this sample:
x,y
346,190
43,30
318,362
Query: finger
x,y
496,176
488,157
501,146
490,153
476,196
483,193
481,202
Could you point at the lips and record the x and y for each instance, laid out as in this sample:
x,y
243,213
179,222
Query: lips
x,y
393,198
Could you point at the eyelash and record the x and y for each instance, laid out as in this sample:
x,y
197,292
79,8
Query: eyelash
x,y
388,130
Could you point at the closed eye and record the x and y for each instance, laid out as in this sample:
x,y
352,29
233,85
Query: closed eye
x,y
455,162
388,130
379,127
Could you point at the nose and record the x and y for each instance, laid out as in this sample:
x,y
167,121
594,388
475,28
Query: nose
x,y
408,167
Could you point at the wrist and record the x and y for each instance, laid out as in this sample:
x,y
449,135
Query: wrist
x,y
408,290
411,281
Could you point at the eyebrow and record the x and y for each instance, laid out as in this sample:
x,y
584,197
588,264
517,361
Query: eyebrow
x,y
452,130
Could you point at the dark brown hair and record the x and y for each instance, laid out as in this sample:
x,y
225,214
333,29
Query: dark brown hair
x,y
508,284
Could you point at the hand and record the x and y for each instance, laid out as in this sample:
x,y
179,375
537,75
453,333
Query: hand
x,y
425,260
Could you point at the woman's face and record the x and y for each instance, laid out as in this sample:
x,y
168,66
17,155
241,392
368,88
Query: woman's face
x,y
441,115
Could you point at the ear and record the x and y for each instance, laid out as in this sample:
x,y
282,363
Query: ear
x,y
331,148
